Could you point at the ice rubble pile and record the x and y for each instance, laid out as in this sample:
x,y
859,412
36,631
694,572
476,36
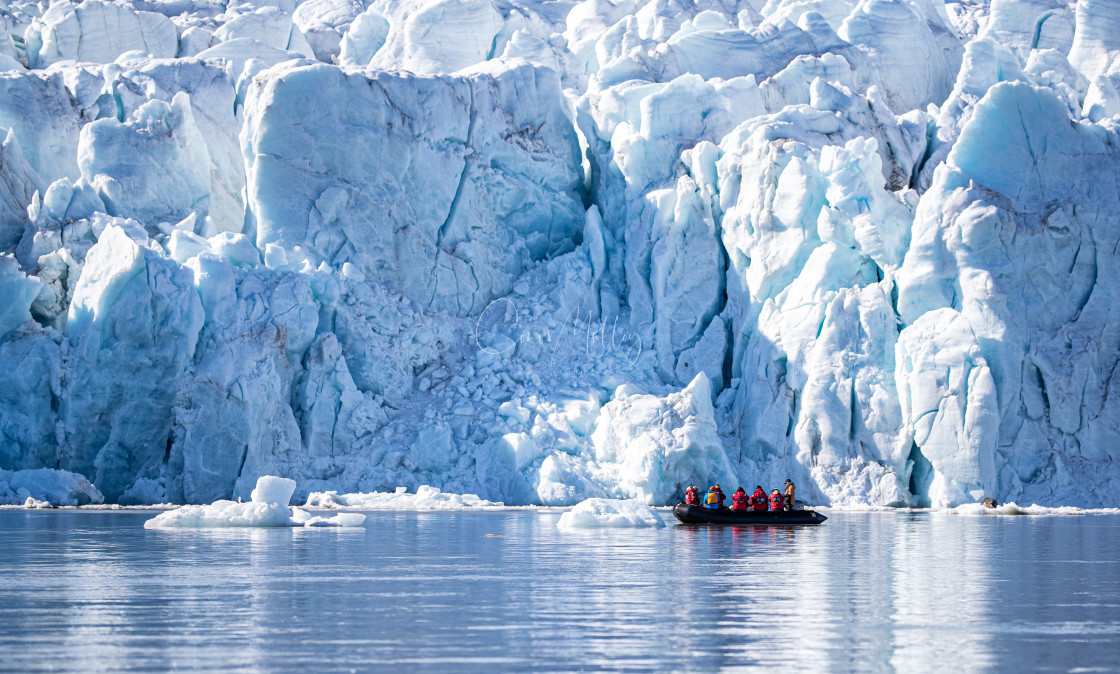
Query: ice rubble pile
x,y
268,507
595,513
550,251
425,498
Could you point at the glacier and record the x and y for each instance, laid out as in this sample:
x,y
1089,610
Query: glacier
x,y
544,252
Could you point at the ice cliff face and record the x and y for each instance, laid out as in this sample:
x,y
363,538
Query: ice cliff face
x,y
550,251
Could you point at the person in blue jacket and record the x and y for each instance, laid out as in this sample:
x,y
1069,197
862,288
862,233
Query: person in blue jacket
x,y
714,498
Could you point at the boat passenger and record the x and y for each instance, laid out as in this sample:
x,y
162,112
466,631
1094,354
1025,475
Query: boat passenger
x,y
790,489
714,498
758,498
692,495
776,501
739,500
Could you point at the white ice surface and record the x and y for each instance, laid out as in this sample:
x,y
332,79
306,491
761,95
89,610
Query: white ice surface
x,y
979,510
549,251
268,508
424,498
598,513
272,489
46,486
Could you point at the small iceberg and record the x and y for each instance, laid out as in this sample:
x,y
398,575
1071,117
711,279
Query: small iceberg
x,y
597,513
1012,509
268,508
425,498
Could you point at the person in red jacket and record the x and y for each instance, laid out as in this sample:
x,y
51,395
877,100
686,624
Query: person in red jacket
x,y
776,501
739,499
692,496
758,498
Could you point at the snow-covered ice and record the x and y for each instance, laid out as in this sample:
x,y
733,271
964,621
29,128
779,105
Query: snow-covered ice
x,y
425,498
268,508
1012,509
272,489
597,513
547,251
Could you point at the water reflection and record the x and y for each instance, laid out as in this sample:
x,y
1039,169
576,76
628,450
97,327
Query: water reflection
x,y
863,592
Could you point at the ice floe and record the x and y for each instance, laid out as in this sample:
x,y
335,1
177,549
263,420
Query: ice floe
x,y
268,508
597,513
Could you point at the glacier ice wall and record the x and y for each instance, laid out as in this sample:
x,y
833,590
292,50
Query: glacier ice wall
x,y
551,251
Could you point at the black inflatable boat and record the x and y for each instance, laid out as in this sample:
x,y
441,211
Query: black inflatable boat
x,y
694,514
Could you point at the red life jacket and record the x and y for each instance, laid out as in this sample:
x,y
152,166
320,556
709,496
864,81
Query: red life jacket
x,y
691,497
776,502
739,500
759,499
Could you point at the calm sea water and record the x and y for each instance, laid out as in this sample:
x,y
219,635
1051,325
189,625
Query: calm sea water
x,y
508,591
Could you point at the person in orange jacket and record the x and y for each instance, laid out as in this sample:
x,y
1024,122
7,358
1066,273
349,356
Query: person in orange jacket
x,y
776,501
758,498
739,500
791,490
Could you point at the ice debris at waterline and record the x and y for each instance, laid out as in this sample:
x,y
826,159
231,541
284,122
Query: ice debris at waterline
x,y
425,498
550,250
596,513
1012,509
268,508
45,487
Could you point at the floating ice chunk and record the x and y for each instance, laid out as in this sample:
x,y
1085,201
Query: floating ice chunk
x,y
1011,508
54,487
222,514
269,508
595,513
272,489
305,518
425,498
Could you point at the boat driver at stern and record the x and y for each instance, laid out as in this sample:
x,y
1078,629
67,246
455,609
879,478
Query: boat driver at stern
x,y
789,495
